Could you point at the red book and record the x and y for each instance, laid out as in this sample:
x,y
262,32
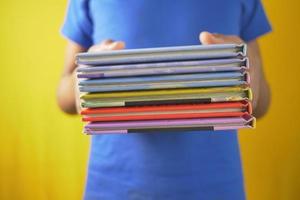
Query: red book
x,y
183,111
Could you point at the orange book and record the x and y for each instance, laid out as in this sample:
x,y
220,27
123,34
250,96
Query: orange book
x,y
183,111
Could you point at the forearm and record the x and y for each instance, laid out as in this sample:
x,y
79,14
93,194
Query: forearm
x,y
66,94
263,99
259,85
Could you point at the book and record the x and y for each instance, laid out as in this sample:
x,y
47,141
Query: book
x,y
144,126
165,89
179,97
146,55
163,68
185,111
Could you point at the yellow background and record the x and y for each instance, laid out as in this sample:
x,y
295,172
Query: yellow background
x,y
43,154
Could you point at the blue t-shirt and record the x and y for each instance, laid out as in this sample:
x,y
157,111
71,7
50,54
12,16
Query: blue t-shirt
x,y
188,165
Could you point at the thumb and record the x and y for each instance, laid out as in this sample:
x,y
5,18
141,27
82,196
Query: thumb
x,y
215,38
117,45
107,45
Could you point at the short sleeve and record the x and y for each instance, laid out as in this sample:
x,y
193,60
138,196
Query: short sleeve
x,y
78,25
254,22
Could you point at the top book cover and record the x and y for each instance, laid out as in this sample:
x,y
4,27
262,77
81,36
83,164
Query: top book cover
x,y
162,54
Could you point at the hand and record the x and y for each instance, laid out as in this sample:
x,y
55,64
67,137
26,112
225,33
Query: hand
x,y
106,45
258,83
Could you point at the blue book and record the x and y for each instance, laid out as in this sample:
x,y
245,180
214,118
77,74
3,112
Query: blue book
x,y
161,79
166,85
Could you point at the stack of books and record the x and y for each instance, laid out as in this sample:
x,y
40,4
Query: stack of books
x,y
153,90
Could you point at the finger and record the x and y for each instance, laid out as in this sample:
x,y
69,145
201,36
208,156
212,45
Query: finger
x,y
215,38
101,46
107,45
212,38
117,45
107,42
76,93
207,38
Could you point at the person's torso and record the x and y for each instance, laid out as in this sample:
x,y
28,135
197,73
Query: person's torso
x,y
189,165
156,23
